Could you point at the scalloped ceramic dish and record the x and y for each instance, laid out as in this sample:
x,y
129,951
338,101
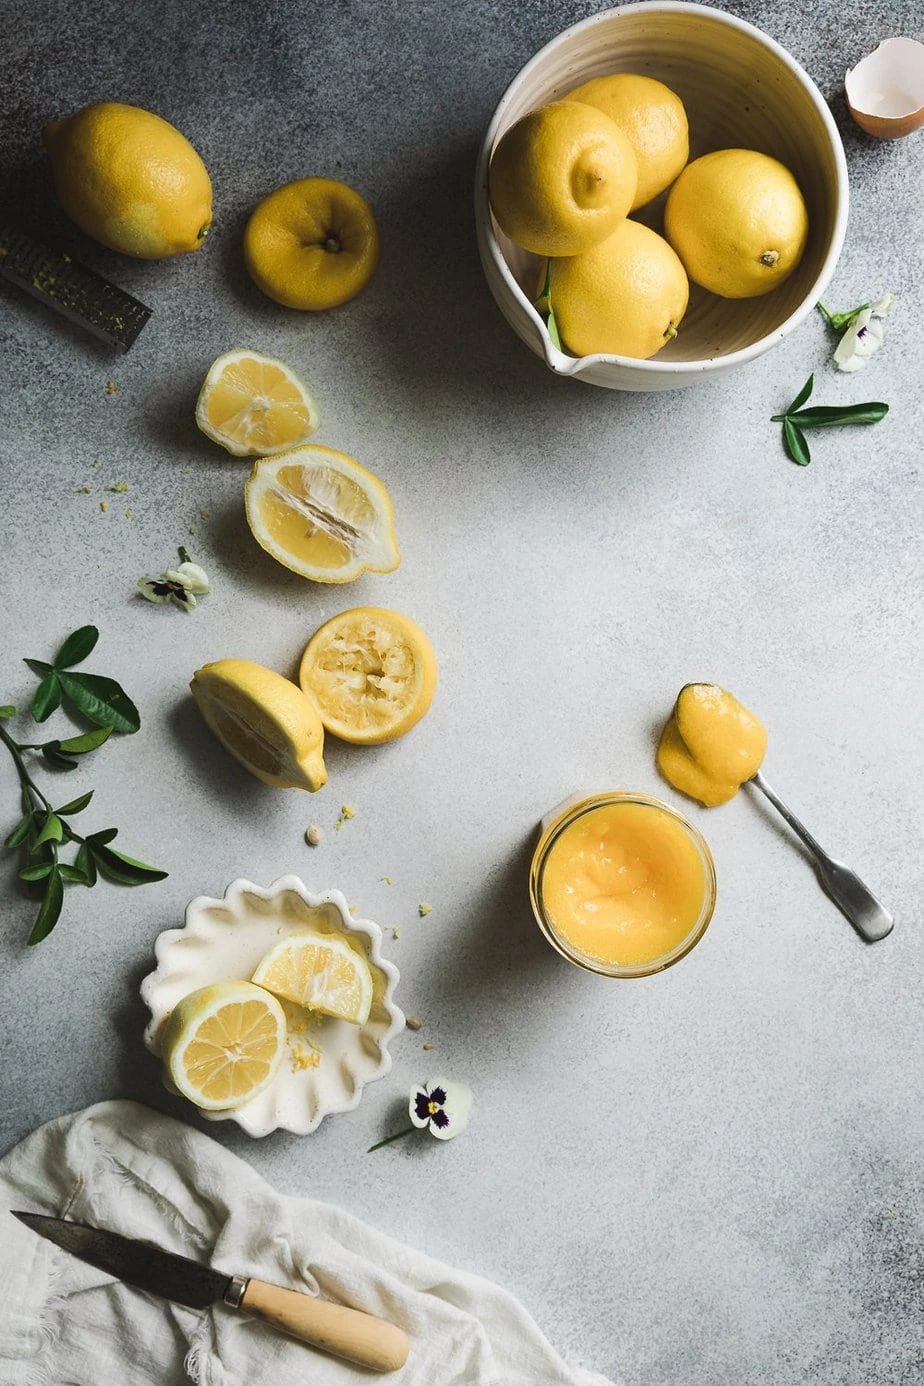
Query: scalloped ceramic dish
x,y
329,1061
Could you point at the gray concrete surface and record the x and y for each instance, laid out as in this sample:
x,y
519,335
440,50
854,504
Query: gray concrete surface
x,y
709,1178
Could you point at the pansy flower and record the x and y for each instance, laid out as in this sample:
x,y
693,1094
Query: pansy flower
x,y
181,585
441,1107
864,332
436,1106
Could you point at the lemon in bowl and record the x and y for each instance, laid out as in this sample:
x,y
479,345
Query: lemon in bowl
x,y
739,89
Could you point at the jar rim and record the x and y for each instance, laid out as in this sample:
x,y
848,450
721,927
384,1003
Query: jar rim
x,y
550,831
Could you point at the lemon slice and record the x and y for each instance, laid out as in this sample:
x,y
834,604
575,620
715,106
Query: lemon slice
x,y
370,673
254,405
265,721
320,972
223,1044
321,514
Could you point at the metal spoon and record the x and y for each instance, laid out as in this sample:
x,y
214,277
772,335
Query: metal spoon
x,y
871,920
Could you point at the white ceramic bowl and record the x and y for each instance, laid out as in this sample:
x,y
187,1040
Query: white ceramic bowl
x,y
329,1061
740,89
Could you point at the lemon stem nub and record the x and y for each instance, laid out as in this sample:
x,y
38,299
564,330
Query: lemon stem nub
x,y
332,244
769,257
671,331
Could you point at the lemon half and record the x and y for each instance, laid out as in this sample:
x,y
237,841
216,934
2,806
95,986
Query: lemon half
x,y
265,721
371,674
223,1044
321,972
254,405
321,514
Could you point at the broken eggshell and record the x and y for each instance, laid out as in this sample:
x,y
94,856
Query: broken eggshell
x,y
885,91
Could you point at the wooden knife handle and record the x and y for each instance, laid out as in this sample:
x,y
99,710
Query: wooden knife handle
x,y
334,1328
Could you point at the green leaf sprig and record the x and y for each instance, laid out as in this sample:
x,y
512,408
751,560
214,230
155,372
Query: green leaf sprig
x,y
796,419
543,304
44,829
102,701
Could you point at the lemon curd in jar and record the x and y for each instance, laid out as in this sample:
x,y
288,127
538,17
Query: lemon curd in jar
x,y
622,884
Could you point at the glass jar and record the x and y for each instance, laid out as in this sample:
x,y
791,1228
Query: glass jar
x,y
674,848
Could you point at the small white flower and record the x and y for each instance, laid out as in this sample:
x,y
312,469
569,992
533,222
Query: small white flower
x,y
863,336
179,585
441,1107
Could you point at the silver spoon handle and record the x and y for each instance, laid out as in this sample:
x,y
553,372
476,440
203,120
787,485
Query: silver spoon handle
x,y
854,899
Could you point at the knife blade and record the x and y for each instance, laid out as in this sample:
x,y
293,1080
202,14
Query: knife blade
x,y
334,1328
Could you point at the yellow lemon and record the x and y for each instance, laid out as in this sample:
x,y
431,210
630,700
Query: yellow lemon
x,y
371,674
312,244
738,222
265,721
130,180
321,972
625,296
653,120
254,405
321,514
223,1044
561,179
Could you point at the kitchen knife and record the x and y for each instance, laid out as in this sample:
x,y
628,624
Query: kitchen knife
x,y
334,1328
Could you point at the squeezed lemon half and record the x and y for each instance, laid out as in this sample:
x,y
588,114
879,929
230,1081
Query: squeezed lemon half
x,y
321,514
321,972
371,674
254,405
224,1043
266,722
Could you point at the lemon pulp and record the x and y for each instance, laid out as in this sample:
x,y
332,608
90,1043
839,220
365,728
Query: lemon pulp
x,y
254,405
321,514
223,1044
371,673
321,972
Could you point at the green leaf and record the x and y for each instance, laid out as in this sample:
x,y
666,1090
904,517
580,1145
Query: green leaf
x,y
7,711
85,863
831,416
52,830
102,837
102,700
72,873
796,446
47,698
38,666
544,306
803,394
54,757
76,647
76,805
124,870
36,873
39,851
50,909
21,831
79,745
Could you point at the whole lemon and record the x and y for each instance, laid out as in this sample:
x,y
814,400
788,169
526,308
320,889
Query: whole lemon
x,y
626,295
738,222
130,180
653,120
561,179
312,244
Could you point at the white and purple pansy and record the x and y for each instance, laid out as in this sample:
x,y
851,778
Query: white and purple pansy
x,y
443,1108
180,586
862,332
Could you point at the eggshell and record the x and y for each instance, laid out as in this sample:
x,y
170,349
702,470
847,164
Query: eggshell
x,y
885,91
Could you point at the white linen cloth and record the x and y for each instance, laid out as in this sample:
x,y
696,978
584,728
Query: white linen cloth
x,y
124,1167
